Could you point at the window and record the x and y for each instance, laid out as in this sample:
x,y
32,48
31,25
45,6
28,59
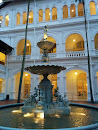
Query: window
x,y
65,11
2,58
40,15
92,8
47,14
54,13
24,18
31,17
6,20
96,41
80,10
72,11
18,19
1,20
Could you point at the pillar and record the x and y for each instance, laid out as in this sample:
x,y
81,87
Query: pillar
x,y
12,91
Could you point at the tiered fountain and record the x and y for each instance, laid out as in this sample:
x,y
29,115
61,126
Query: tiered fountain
x,y
45,103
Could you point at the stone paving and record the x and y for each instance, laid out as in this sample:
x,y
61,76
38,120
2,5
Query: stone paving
x,y
4,102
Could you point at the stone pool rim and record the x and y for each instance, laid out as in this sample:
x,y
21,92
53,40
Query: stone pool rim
x,y
89,127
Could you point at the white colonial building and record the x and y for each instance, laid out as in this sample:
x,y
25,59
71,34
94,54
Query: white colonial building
x,y
66,29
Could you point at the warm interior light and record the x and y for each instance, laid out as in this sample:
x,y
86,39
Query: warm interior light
x,y
29,16
26,74
49,13
0,21
58,116
17,111
86,84
74,40
27,44
28,115
76,73
72,10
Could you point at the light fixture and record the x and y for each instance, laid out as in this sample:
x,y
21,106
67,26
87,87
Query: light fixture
x,y
49,13
76,73
27,44
74,40
26,74
29,16
72,10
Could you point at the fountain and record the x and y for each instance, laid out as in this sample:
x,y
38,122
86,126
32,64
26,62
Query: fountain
x,y
39,111
45,103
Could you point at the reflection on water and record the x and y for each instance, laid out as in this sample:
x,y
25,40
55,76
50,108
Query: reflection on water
x,y
13,117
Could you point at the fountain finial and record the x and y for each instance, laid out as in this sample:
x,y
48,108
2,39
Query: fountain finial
x,y
45,32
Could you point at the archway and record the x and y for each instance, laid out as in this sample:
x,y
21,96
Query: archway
x,y
76,81
51,39
20,47
31,17
40,15
72,11
54,13
24,17
65,11
80,9
26,84
1,20
96,41
92,8
74,42
6,20
18,19
47,14
2,85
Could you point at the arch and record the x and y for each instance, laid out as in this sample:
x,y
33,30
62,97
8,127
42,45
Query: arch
x,y
97,78
18,19
7,20
25,84
51,39
40,15
80,9
1,20
76,82
24,17
72,11
65,11
31,17
54,13
92,8
74,42
21,44
47,14
96,41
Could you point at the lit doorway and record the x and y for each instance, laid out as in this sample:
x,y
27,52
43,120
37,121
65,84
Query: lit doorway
x,y
76,81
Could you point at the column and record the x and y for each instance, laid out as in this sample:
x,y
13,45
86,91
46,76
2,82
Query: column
x,y
3,22
21,18
88,90
12,89
95,86
43,15
76,10
68,11
50,14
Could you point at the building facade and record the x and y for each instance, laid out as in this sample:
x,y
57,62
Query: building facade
x,y
66,29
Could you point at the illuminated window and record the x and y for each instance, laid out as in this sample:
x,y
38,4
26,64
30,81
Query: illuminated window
x,y
18,19
6,20
24,17
92,8
96,41
72,11
47,14
2,58
65,11
54,13
31,17
40,15
1,20
80,10
74,42
2,85
21,44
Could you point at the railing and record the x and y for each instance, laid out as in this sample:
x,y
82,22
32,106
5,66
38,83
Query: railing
x,y
1,96
2,68
96,52
20,57
75,54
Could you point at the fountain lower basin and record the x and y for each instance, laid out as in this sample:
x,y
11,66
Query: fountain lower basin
x,y
80,118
